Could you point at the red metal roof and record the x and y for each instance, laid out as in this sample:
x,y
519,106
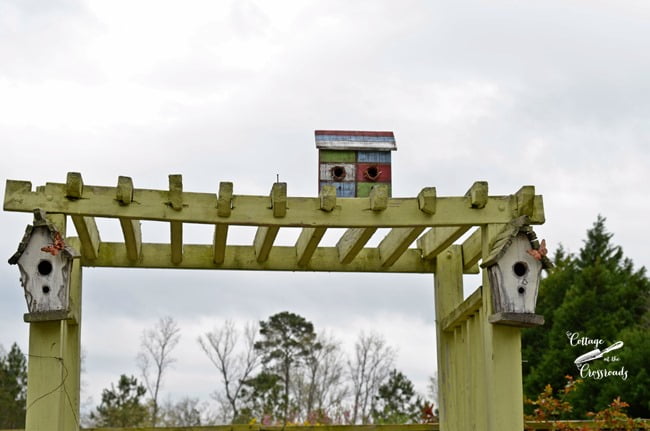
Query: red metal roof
x,y
353,133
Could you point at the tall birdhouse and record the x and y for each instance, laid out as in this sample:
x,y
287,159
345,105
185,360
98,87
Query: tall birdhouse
x,y
45,265
514,267
354,161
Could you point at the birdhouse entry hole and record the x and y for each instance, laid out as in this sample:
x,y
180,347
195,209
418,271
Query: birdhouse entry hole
x,y
338,173
46,289
372,173
520,268
45,268
521,290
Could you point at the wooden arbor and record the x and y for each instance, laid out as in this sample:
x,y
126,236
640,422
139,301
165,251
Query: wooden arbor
x,y
479,363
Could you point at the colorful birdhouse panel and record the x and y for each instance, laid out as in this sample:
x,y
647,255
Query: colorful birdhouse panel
x,y
373,172
337,172
343,190
353,161
333,156
374,157
45,265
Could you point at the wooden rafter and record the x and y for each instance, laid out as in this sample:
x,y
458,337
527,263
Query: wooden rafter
x,y
446,218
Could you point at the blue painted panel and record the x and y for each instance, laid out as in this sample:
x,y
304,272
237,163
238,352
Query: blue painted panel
x,y
343,190
374,156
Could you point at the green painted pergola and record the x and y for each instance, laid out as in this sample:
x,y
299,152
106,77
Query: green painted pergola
x,y
479,363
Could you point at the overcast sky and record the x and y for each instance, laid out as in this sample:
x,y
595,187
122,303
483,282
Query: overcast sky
x,y
555,94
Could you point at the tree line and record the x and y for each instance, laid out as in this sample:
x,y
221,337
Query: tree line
x,y
277,371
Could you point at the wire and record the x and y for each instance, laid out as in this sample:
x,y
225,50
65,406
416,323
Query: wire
x,y
66,373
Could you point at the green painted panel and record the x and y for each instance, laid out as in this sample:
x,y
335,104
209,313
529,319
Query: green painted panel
x,y
337,156
363,189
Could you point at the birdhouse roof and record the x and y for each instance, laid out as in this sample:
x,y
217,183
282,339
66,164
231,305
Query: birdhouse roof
x,y
40,221
355,140
505,238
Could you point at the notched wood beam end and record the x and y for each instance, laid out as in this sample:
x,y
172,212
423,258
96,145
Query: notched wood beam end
x,y
427,200
477,195
74,186
538,216
328,198
124,192
224,200
379,197
279,199
525,201
176,191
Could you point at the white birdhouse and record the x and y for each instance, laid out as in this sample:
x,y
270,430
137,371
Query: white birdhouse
x,y
514,267
45,264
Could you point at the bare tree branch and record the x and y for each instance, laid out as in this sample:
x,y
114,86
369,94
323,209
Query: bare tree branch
x,y
155,357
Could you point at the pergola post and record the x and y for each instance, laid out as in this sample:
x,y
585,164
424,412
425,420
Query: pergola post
x,y
54,363
448,285
503,392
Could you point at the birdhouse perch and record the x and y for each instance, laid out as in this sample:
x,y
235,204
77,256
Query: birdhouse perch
x,y
45,265
514,267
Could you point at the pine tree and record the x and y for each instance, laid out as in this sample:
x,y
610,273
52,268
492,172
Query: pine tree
x,y
13,388
599,295
396,401
122,406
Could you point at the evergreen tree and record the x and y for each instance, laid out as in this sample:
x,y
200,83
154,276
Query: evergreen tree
x,y
287,341
599,295
396,402
13,388
122,406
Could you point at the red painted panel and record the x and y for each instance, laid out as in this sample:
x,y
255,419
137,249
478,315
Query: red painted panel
x,y
353,133
373,172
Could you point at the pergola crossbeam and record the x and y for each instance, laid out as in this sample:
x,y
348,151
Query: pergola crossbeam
x,y
396,242
219,242
244,257
132,237
439,238
307,243
352,242
202,208
86,228
263,242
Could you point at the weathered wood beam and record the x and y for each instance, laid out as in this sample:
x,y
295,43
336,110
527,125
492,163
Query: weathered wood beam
x,y
175,201
239,257
86,228
477,195
327,197
307,243
224,201
352,242
131,229
379,197
471,248
219,242
439,238
254,210
396,243
124,192
176,236
74,185
279,199
463,311
132,232
427,200
263,241
525,201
